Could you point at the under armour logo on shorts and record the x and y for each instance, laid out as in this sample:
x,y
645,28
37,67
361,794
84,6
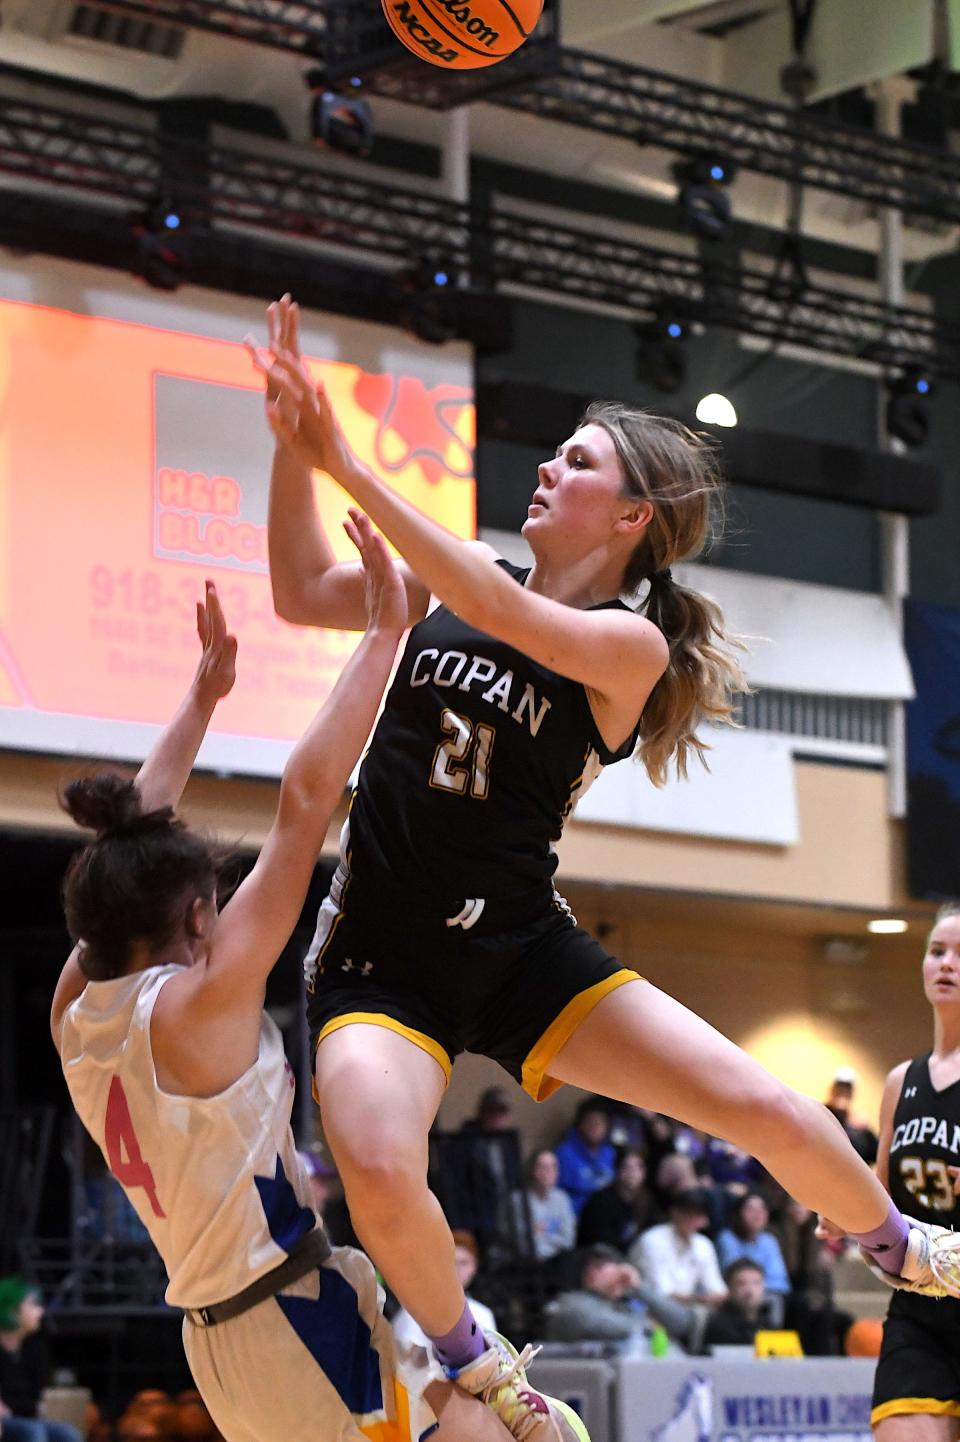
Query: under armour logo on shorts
x,y
350,965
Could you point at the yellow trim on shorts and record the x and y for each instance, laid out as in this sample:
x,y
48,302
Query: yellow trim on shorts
x,y
914,1407
398,1428
380,1018
560,1031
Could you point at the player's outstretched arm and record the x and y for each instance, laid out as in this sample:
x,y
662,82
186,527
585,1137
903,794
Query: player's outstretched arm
x,y
166,770
310,586
257,922
619,655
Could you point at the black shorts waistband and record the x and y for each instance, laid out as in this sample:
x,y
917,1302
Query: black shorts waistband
x,y
464,915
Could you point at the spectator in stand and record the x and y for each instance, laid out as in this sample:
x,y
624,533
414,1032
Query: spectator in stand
x,y
863,1139
617,1214
24,1367
810,1263
746,1310
692,1143
467,1255
733,1170
604,1307
552,1221
748,1237
609,1304
494,1113
678,1265
659,1140
585,1155
485,1173
675,1173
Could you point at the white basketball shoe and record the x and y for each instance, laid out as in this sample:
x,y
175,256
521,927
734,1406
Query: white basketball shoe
x,y
498,1377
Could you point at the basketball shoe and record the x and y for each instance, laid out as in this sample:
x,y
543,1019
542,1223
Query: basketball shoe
x,y
498,1377
931,1265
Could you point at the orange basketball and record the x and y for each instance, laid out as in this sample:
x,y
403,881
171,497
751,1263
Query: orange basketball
x,y
864,1337
462,34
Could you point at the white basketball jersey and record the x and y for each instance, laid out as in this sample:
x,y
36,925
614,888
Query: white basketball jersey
x,y
216,1181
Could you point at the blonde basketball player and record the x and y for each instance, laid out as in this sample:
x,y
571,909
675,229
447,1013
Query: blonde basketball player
x,y
916,1389
509,697
180,1077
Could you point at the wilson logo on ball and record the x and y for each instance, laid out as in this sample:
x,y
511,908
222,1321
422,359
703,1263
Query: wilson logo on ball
x,y
462,34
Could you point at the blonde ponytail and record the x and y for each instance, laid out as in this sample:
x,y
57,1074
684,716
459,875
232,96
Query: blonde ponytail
x,y
674,468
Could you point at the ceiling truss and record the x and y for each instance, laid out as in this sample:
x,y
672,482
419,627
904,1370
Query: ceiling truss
x,y
494,249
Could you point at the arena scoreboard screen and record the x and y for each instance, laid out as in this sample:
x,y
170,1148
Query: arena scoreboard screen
x,y
134,462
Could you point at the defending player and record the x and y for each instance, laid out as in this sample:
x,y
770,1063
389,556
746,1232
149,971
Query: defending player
x,y
180,1076
509,698
916,1393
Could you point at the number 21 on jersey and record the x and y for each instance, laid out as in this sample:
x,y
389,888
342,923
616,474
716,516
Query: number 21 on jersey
x,y
446,774
123,1149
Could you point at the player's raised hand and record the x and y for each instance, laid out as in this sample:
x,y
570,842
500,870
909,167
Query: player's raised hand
x,y
298,411
217,669
386,596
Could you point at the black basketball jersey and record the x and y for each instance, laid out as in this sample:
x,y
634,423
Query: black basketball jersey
x,y
926,1140
475,763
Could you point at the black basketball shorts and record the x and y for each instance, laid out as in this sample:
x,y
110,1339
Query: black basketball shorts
x,y
515,993
918,1370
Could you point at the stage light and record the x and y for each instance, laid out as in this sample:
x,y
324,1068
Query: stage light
x,y
660,359
716,410
430,308
908,416
162,241
702,194
887,926
344,122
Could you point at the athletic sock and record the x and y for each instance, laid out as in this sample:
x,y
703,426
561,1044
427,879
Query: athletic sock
x,y
887,1244
462,1344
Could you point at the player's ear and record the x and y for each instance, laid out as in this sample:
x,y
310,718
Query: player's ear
x,y
196,919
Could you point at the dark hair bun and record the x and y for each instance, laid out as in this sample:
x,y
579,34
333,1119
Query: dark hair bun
x,y
102,801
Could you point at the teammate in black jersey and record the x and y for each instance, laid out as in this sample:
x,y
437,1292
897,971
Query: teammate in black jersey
x,y
916,1396
442,931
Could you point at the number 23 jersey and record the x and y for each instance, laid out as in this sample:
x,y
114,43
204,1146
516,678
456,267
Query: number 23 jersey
x,y
925,1142
474,766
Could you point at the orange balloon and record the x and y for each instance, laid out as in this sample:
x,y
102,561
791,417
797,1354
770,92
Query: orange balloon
x,y
864,1337
462,34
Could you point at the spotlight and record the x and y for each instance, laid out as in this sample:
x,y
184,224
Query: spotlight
x,y
702,193
660,358
344,122
908,417
431,300
716,410
162,242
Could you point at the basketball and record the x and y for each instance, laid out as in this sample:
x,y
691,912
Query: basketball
x,y
462,34
864,1337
